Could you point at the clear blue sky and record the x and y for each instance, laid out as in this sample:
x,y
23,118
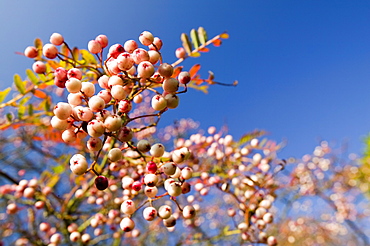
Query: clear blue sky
x,y
303,66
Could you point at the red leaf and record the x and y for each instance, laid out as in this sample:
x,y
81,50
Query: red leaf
x,y
217,42
204,49
40,94
194,70
176,71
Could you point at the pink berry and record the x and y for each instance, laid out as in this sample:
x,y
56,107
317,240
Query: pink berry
x,y
125,61
140,55
105,95
136,186
113,123
56,39
88,89
83,113
124,106
151,167
184,77
50,51
180,53
158,44
96,103
94,144
127,224
149,213
154,56
94,47
146,38
95,128
103,40
61,74
145,69
103,82
62,110
115,50
130,46
73,85
74,73
118,92
39,67
31,52
115,80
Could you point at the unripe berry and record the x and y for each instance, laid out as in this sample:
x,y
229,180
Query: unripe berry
x,y
188,212
73,85
78,164
184,77
88,89
127,224
268,218
149,213
151,179
29,192
56,238
69,136
75,236
169,168
94,47
39,67
115,80
172,100
143,145
75,99
31,52
186,173
74,73
62,110
103,82
59,124
101,182
12,208
145,69
271,241
170,221
103,40
127,182
115,154
85,238
158,102
83,113
50,51
174,189
170,85
165,211
96,103
44,227
180,53
95,128
130,46
140,55
157,150
154,56
105,95
146,38
128,207
151,191
165,70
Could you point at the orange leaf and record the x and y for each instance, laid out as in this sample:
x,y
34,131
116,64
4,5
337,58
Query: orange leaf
x,y
217,42
53,64
224,35
176,71
204,49
40,94
43,86
197,81
194,70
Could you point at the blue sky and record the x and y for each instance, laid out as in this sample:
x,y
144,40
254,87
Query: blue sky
x,y
302,66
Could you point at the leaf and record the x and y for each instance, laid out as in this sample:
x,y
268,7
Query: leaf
x,y
176,71
21,111
194,38
40,94
30,109
88,57
204,50
195,54
194,70
202,35
64,50
38,44
32,76
53,64
186,43
19,84
75,53
217,42
249,136
9,117
4,93
224,35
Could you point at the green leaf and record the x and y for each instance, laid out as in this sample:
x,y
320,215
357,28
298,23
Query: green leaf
x,y
30,109
38,45
4,93
195,54
249,136
19,84
88,57
9,117
21,111
186,43
32,76
202,34
194,38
